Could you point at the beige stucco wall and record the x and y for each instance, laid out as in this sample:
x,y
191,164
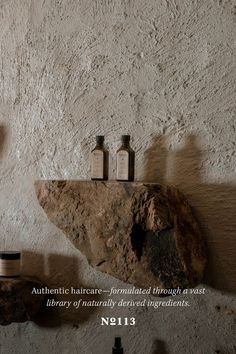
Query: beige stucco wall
x,y
163,71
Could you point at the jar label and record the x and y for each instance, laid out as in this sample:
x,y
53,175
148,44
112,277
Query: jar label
x,y
97,164
9,267
122,169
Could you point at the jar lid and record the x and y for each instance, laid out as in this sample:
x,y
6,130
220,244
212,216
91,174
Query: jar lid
x,y
11,255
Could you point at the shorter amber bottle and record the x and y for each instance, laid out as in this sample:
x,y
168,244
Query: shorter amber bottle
x,y
99,160
125,160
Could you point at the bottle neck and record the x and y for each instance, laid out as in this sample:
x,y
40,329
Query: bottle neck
x,y
100,145
125,144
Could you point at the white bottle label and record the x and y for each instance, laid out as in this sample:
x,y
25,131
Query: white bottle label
x,y
122,168
97,164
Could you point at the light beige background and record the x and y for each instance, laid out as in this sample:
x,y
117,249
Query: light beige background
x,y
163,71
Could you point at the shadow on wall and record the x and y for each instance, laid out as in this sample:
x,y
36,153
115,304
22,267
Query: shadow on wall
x,y
51,272
3,136
214,205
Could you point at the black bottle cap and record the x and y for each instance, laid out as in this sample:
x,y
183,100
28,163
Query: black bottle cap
x,y
9,255
125,138
99,139
117,349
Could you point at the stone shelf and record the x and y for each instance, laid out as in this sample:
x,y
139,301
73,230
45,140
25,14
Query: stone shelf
x,y
17,304
142,233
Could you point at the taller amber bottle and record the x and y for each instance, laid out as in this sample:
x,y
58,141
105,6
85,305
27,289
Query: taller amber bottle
x,y
125,160
99,160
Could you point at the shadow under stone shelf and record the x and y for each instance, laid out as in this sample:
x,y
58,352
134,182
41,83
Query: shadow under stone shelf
x,y
141,233
17,303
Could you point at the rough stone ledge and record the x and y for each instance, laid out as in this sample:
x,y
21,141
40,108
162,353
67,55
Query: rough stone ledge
x,y
142,233
17,304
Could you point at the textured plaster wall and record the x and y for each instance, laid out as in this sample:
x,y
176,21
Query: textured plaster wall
x,y
163,71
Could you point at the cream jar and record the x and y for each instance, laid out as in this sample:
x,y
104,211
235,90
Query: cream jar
x,y
10,263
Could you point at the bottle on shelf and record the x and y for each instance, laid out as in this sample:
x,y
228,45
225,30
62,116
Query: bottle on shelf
x,y
117,349
125,160
99,160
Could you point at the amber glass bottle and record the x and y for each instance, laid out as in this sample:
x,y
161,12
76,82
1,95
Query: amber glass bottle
x,y
125,160
117,349
99,160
